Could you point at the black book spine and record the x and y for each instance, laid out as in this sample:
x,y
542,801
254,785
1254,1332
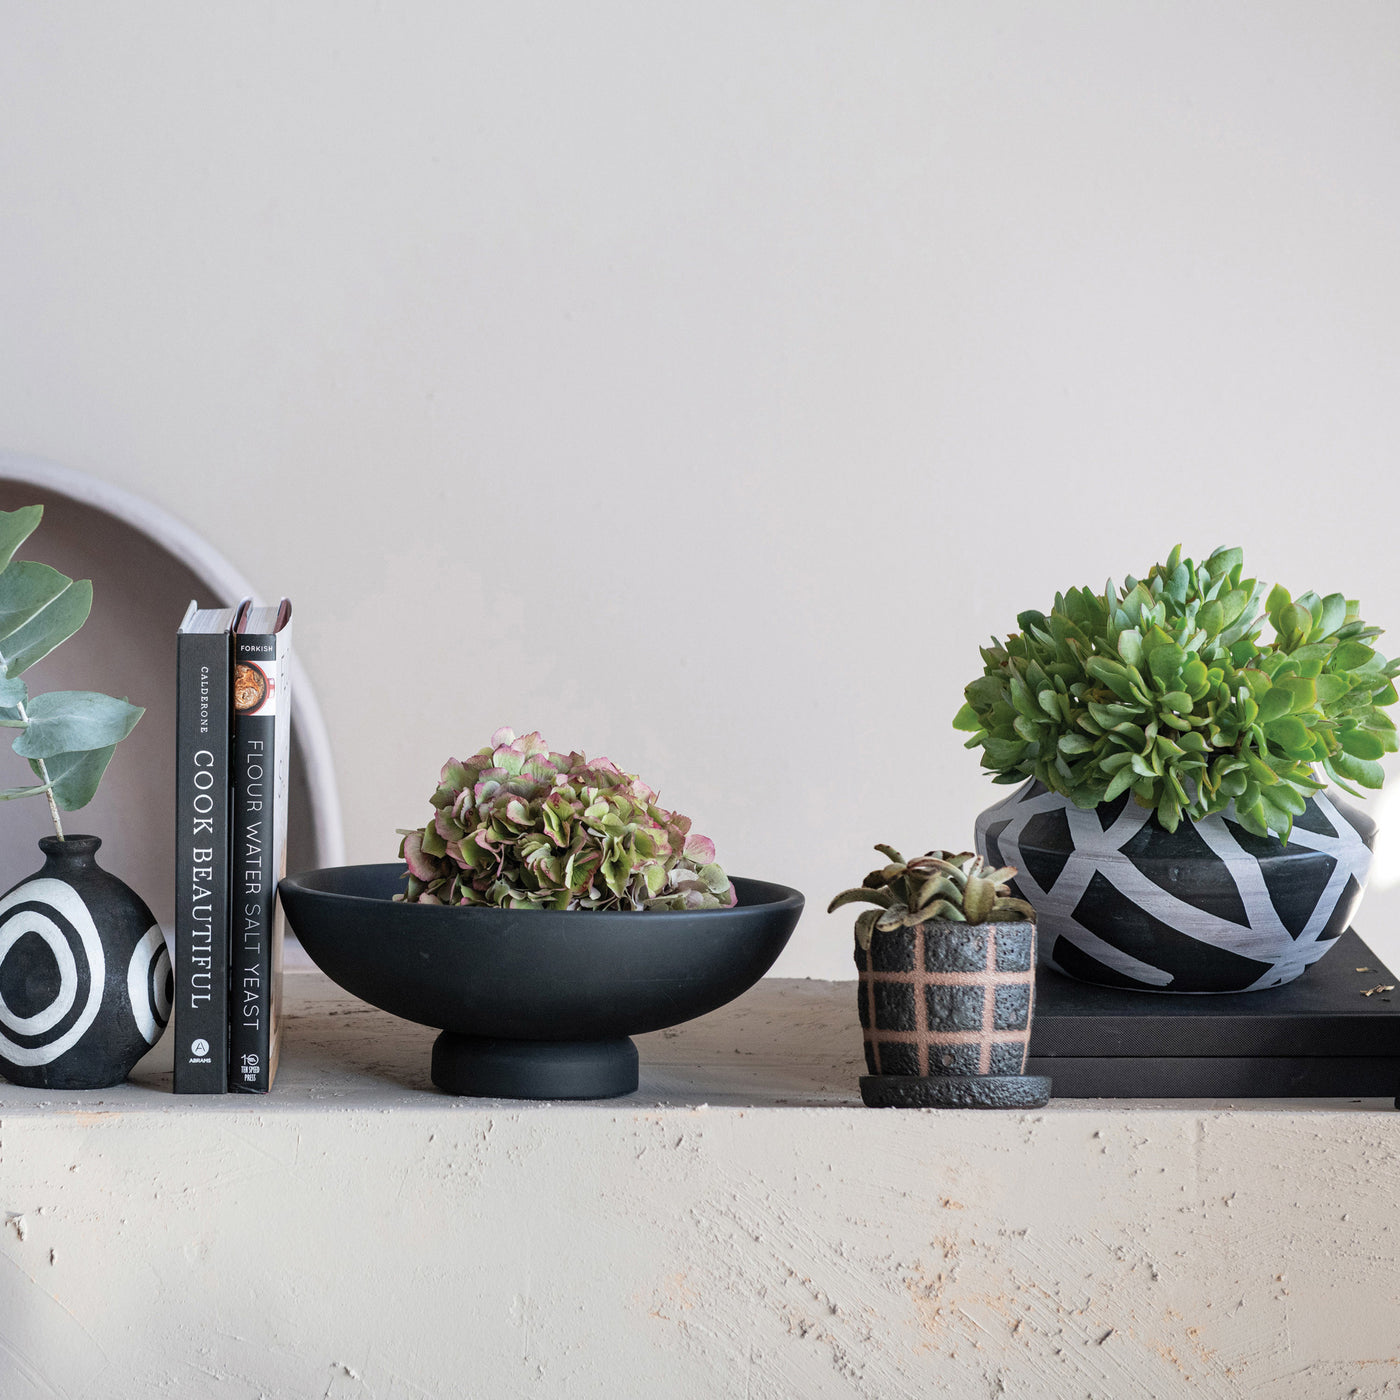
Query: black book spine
x,y
202,735
254,879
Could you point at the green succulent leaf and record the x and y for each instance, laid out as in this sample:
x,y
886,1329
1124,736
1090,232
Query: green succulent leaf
x,y
944,909
1331,615
865,927
1361,743
978,898
1170,686
1275,703
966,718
1353,656
1302,693
870,896
1291,735
956,886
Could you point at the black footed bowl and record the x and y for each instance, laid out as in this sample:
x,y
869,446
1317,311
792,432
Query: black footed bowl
x,y
533,1004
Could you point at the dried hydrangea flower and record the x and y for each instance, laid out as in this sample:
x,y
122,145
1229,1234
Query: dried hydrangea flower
x,y
519,827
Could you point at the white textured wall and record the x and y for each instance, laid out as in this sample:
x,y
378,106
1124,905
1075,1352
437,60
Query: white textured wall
x,y
700,384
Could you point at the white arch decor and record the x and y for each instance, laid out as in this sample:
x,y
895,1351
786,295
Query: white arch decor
x,y
226,585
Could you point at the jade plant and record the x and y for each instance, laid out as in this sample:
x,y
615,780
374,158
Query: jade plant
x,y
960,888
520,827
1167,687
66,736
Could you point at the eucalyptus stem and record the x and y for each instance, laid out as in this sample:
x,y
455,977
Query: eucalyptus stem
x,y
43,767
44,774
48,792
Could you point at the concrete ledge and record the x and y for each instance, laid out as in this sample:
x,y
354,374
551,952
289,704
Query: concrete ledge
x,y
741,1227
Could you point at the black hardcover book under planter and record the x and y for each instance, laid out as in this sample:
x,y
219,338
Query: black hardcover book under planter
x,y
945,1009
85,981
1210,907
534,1003
1333,1033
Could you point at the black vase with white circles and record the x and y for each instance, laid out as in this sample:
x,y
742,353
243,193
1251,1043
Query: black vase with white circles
x,y
1210,907
85,979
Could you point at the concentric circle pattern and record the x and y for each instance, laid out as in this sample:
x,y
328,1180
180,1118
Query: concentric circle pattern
x,y
148,984
54,912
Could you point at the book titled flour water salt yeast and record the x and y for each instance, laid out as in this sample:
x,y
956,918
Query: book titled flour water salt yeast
x,y
233,747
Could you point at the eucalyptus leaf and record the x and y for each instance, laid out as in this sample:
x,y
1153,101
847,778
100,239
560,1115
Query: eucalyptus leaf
x,y
16,526
9,794
75,776
68,737
48,628
75,721
26,589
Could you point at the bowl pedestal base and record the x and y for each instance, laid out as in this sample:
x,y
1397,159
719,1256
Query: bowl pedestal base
x,y
534,1069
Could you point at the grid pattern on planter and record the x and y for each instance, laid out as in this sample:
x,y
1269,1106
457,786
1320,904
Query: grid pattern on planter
x,y
947,999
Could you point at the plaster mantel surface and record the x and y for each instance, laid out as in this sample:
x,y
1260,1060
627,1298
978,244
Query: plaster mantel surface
x,y
740,1227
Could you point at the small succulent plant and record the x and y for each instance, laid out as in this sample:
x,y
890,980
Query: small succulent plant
x,y
1165,689
938,885
519,827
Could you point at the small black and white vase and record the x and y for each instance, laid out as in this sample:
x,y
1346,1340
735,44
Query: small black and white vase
x,y
85,980
1210,907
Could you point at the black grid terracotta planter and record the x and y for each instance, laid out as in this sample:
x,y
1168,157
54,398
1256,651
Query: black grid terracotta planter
x,y
945,1009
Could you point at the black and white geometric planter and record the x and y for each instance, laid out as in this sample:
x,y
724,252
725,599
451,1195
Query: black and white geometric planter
x,y
85,981
1209,907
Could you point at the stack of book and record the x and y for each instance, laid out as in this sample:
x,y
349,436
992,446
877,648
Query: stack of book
x,y
233,745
